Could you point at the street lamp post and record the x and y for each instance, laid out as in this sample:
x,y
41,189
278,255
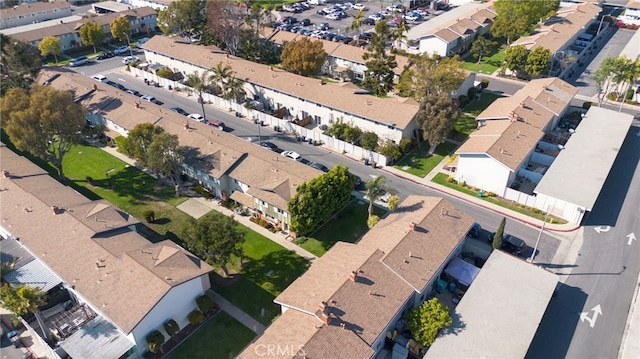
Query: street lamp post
x,y
128,43
539,236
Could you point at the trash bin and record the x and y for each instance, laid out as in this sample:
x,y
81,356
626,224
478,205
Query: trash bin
x,y
481,194
366,161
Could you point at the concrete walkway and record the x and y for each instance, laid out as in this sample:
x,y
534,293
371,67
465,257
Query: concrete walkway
x,y
235,312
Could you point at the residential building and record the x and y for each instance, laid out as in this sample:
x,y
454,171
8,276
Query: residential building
x,y
507,148
631,14
324,103
226,165
345,305
29,13
155,4
121,286
452,32
141,20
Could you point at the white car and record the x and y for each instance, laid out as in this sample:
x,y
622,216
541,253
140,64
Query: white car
x,y
129,59
196,116
99,78
291,154
333,16
148,98
121,50
359,6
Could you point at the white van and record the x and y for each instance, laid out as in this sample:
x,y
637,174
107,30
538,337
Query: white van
x,y
81,60
99,78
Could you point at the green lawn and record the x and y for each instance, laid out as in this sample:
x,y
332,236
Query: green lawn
x,y
488,65
477,106
221,337
268,268
463,127
441,179
349,225
417,163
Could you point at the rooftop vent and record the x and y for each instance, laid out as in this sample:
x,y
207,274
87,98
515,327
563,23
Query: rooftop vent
x,y
353,276
6,174
412,226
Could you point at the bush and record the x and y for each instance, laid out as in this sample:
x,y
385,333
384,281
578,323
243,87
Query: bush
x,y
587,105
155,339
171,327
390,149
372,221
613,96
202,191
123,145
149,215
484,83
407,144
450,179
472,93
206,304
463,100
165,72
263,222
629,94
196,317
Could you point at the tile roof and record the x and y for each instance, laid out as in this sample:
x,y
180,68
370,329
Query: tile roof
x,y
123,288
72,27
558,30
210,150
33,7
333,95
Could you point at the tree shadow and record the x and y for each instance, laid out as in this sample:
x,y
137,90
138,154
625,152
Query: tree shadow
x,y
457,324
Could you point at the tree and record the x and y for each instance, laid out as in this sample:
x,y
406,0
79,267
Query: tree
x,y
517,17
613,73
120,28
225,24
482,46
428,75
139,140
515,59
165,157
436,116
372,221
24,299
390,149
92,34
45,122
303,57
392,202
214,238
181,16
200,82
257,15
426,321
220,76
234,89
538,61
399,33
19,64
379,75
50,45
375,189
319,198
369,140
356,23
497,237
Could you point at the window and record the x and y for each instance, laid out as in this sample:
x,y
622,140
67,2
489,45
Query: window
x,y
318,119
358,76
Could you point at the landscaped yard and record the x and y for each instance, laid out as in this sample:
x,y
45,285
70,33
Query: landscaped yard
x,y
220,337
347,226
477,106
418,163
488,65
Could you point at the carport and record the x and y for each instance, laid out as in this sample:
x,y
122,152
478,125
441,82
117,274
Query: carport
x,y
573,183
97,336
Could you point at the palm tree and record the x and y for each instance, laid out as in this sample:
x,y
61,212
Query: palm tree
x,y
356,23
398,33
221,75
234,89
24,299
376,189
200,82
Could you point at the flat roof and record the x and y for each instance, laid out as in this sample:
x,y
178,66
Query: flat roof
x,y
632,50
579,171
110,6
443,20
97,336
522,290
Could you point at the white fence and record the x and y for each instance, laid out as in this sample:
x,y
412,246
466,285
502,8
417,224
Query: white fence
x,y
520,197
36,336
271,121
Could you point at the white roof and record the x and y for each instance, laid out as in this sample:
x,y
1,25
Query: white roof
x,y
510,296
40,25
434,24
632,50
578,173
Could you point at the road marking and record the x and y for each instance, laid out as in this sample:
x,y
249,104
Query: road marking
x,y
592,321
632,237
601,229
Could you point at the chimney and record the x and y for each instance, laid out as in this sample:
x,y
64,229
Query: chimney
x,y
514,117
54,209
95,87
227,56
321,82
353,276
343,326
270,68
186,125
138,105
522,104
323,306
6,174
412,226
326,318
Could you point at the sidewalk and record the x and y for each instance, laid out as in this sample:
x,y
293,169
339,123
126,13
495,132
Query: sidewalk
x,y
235,312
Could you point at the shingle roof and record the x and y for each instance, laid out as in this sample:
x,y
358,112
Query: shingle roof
x,y
558,30
469,16
633,4
33,7
333,95
122,288
71,27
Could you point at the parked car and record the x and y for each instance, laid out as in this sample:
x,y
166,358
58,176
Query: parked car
x,y
121,50
134,92
217,124
105,55
141,42
511,244
322,26
319,166
368,21
100,78
333,16
116,85
359,6
357,181
270,145
148,98
291,154
129,59
474,232
79,61
179,110
305,22
196,116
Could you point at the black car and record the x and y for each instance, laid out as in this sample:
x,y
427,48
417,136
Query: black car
x,y
134,92
368,21
305,22
105,55
319,166
328,36
179,110
289,20
116,85
511,244
270,145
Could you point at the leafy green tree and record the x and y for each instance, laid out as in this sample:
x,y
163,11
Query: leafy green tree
x,y
614,74
538,61
317,199
352,134
20,64
431,75
50,45
165,157
257,16
379,75
356,23
92,34
499,235
139,140
426,321
214,238
375,189
390,149
436,117
120,28
181,16
24,299
256,49
45,122
515,59
517,17
369,140
482,46
393,202
200,82
303,57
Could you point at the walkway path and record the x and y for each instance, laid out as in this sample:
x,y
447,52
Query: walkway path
x,y
235,312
